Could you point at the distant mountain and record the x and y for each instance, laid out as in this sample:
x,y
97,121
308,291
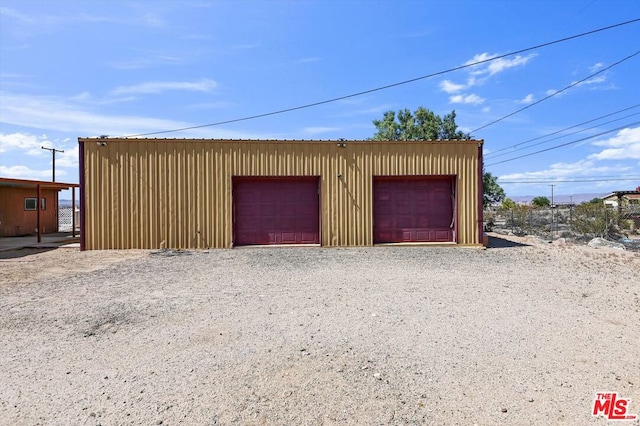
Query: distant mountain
x,y
67,203
562,199
558,199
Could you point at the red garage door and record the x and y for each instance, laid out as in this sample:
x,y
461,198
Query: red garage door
x,y
276,210
412,209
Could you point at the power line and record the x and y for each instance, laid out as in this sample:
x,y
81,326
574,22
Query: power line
x,y
557,92
314,104
582,177
566,181
564,144
559,131
564,136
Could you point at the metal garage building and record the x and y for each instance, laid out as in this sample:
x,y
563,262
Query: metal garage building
x,y
181,193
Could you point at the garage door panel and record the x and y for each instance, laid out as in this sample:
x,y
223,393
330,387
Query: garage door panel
x,y
442,235
410,209
423,234
308,238
288,238
276,210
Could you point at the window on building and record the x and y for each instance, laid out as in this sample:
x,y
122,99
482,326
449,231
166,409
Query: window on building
x,y
30,203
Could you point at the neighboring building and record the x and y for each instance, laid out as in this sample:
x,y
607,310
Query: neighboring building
x,y
627,203
622,198
178,193
21,214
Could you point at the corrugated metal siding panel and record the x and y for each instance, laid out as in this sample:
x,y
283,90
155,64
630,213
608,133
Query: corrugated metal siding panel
x,y
151,193
16,221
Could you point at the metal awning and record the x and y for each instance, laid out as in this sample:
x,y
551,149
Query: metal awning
x,y
25,183
39,185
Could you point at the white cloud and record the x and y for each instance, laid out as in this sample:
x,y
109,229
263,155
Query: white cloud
x,y
595,83
319,130
480,57
472,99
68,158
625,145
29,144
581,168
139,15
497,65
82,97
486,109
594,80
478,74
65,115
152,19
450,87
503,64
17,16
155,87
595,67
24,172
527,99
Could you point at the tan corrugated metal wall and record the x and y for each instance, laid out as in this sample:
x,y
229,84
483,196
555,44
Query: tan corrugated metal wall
x,y
154,193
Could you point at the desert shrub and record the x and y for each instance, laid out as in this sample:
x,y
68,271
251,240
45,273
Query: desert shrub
x,y
489,220
507,204
593,220
518,218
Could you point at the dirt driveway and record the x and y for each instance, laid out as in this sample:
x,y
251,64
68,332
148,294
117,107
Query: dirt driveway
x,y
526,333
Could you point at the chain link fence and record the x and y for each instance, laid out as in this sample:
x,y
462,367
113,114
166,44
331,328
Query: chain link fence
x,y
582,222
65,219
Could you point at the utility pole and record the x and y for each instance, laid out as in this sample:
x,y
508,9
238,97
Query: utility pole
x,y
53,152
552,215
571,210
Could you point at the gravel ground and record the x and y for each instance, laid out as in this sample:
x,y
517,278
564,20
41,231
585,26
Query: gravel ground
x,y
523,333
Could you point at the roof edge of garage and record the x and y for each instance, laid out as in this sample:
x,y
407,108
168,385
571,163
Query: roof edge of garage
x,y
324,141
28,183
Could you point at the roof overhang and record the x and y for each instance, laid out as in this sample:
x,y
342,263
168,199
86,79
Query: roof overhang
x,y
623,193
24,183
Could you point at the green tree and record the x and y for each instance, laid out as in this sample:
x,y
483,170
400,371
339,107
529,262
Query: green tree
x,y
492,192
595,201
424,124
541,202
507,204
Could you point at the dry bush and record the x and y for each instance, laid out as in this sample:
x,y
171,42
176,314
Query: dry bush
x,y
593,220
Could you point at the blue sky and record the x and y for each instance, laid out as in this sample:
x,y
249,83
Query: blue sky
x,y
89,68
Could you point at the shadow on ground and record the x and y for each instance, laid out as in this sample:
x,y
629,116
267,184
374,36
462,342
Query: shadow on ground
x,y
497,242
17,253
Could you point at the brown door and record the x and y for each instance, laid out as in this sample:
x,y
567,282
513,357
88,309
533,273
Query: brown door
x,y
412,209
276,210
